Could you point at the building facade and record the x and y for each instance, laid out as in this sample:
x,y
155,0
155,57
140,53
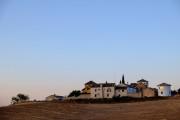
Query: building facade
x,y
142,84
121,90
103,90
164,90
149,92
87,87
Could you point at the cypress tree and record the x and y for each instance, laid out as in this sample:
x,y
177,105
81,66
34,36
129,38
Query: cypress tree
x,y
123,80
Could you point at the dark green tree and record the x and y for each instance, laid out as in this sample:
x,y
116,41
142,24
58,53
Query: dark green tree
x,y
75,93
179,91
123,80
174,92
19,98
23,97
14,100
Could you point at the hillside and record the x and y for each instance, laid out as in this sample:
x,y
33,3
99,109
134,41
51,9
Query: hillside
x,y
150,110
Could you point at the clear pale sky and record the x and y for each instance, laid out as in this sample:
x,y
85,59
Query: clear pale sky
x,y
55,46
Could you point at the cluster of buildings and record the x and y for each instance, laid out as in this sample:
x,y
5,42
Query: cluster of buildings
x,y
140,89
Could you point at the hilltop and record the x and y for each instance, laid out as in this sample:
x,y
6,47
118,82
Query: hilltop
x,y
150,110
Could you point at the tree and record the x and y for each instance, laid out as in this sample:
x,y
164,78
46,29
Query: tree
x,y
14,100
179,91
123,80
75,93
23,97
19,98
120,82
174,92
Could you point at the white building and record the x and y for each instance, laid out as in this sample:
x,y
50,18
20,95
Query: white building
x,y
121,90
164,89
54,98
103,90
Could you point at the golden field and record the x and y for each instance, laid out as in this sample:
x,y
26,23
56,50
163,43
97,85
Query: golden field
x,y
150,110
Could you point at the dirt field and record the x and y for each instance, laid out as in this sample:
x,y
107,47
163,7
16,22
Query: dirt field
x,y
151,110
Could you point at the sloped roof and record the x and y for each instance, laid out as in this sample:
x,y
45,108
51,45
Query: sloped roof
x,y
104,85
108,84
90,83
55,96
121,86
142,80
133,85
164,84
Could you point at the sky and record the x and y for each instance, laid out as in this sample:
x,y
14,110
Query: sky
x,y
55,46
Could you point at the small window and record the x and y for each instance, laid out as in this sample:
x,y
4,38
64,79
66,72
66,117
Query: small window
x,y
95,95
95,90
109,90
107,95
122,90
161,93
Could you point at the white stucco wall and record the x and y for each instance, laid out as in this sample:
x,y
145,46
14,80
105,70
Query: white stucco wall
x,y
121,92
164,90
102,92
96,92
110,93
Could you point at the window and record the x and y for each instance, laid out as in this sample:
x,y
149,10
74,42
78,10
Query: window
x,y
122,90
107,95
95,95
95,90
109,90
161,92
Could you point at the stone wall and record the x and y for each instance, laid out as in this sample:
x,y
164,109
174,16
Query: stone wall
x,y
149,92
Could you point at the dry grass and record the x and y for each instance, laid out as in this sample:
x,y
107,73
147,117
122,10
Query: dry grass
x,y
150,110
